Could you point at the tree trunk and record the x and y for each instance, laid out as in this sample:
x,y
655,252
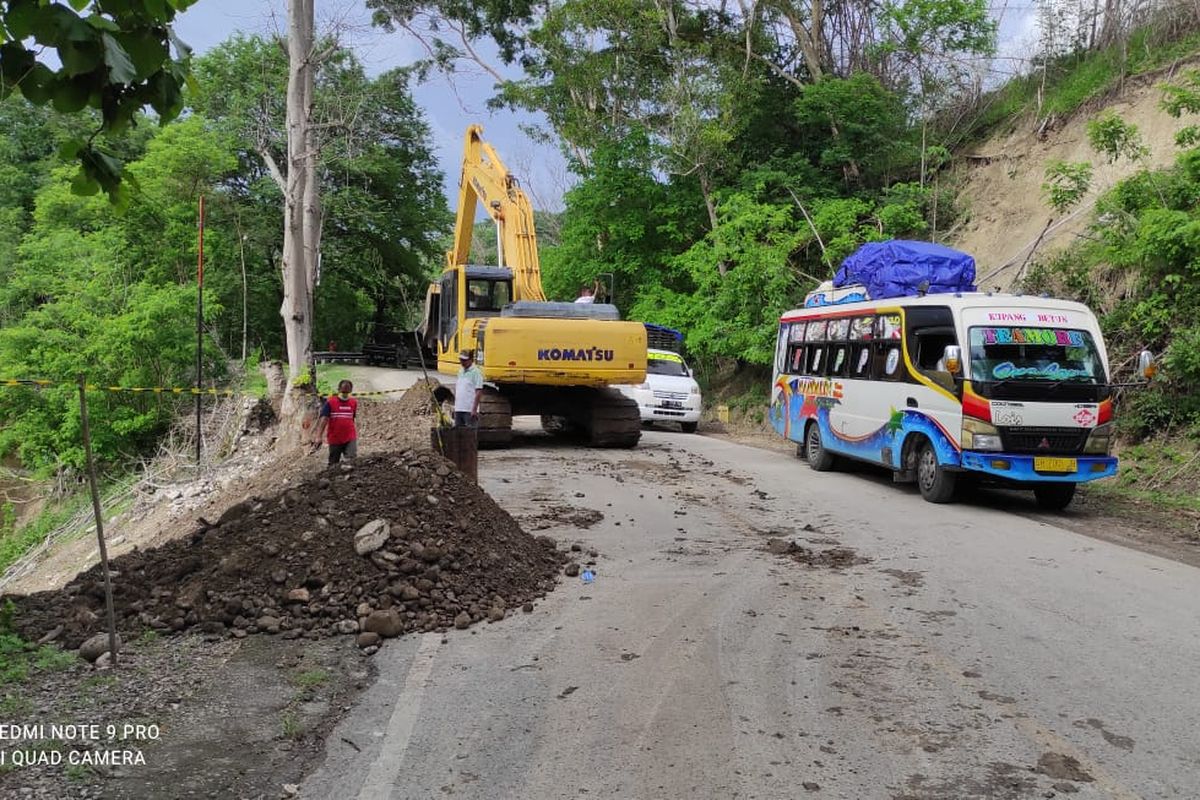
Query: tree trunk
x,y
302,206
810,38
706,190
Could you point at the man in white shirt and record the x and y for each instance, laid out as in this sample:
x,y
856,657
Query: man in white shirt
x,y
468,389
586,295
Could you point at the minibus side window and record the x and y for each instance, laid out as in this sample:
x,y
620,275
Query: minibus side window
x,y
839,359
815,336
837,353
888,327
796,360
861,335
889,361
816,359
860,362
781,348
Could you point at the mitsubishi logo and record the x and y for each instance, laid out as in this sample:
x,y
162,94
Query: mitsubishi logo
x,y
1044,444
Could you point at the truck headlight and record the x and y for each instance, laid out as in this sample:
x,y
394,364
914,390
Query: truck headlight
x,y
695,388
1100,440
979,435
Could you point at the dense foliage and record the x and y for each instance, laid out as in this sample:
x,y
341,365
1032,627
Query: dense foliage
x,y
728,163
1139,265
90,287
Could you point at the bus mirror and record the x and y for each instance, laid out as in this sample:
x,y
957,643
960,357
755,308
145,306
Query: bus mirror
x,y
1146,365
952,359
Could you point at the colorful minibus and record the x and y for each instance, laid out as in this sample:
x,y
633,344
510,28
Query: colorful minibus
x,y
946,388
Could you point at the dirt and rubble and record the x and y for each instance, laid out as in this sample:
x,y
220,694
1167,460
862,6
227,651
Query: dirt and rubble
x,y
236,611
834,557
389,544
162,508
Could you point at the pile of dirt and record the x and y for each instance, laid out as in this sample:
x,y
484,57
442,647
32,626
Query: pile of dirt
x,y
386,545
403,422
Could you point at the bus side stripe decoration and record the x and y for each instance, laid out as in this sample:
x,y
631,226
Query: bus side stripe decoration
x,y
797,400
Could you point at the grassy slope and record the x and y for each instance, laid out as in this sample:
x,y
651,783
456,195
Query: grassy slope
x,y
1072,82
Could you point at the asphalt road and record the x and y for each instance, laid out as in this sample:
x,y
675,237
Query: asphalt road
x,y
974,653
383,379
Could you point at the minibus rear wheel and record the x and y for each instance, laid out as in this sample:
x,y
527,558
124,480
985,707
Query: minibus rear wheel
x,y
1054,496
818,457
936,484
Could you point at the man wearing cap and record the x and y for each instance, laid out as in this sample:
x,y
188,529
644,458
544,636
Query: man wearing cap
x,y
467,391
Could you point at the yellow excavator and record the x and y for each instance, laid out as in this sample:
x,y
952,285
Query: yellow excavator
x,y
555,360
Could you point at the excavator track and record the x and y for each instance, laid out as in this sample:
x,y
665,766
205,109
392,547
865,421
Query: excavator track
x,y
614,420
495,419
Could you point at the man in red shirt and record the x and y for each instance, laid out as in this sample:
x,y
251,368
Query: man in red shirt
x,y
337,416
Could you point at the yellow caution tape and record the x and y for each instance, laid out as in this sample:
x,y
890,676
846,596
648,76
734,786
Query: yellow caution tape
x,y
164,390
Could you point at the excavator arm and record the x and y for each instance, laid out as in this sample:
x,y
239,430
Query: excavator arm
x,y
486,180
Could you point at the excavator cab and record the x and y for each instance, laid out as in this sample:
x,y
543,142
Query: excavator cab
x,y
489,290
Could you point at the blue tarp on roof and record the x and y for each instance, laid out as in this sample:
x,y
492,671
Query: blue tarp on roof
x,y
663,330
660,337
898,268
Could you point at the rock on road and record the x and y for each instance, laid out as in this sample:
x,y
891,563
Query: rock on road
x,y
973,653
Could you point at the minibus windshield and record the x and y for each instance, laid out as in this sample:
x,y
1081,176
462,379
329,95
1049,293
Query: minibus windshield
x,y
1011,354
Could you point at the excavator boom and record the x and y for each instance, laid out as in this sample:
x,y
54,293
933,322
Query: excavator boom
x,y
485,179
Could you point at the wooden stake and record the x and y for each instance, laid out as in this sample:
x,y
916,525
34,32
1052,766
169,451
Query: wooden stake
x,y
200,331
91,470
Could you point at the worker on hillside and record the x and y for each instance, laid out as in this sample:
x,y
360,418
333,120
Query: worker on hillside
x,y
468,390
337,417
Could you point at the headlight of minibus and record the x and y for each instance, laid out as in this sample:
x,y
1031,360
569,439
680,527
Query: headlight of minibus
x,y
695,388
1099,441
979,435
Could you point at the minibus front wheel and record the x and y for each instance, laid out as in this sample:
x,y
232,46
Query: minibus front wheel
x,y
818,457
936,484
1054,496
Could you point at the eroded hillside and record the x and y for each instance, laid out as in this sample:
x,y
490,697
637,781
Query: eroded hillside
x,y
1002,195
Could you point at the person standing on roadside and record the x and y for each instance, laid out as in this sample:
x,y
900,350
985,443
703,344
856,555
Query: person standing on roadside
x,y
337,417
468,390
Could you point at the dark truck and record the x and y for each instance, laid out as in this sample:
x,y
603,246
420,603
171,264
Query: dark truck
x,y
392,347
389,347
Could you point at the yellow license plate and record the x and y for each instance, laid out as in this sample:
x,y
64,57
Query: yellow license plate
x,y
1046,464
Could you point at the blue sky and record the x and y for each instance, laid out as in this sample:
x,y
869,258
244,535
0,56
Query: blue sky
x,y
449,105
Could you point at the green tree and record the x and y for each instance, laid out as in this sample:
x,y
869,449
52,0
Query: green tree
x,y
116,59
110,295
383,207
1067,183
625,221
